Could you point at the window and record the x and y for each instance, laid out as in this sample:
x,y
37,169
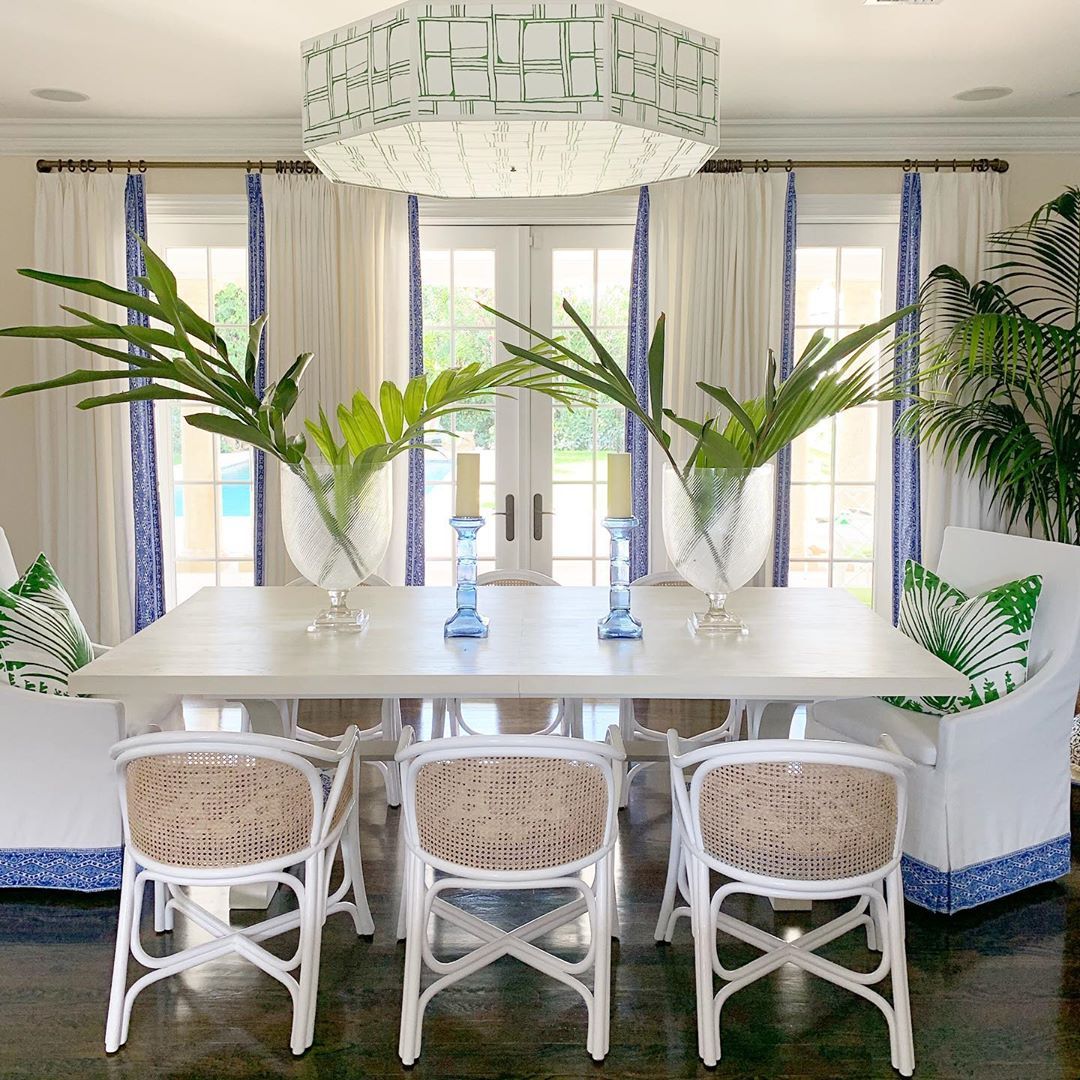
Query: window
x,y
205,481
840,484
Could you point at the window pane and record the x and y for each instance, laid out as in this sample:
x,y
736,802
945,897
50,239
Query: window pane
x,y
811,454
575,572
189,266
196,450
438,541
572,279
857,578
236,573
856,445
613,280
573,520
860,285
237,524
435,278
474,347
436,350
437,572
195,521
815,286
192,576
228,276
813,575
474,284
853,530
810,520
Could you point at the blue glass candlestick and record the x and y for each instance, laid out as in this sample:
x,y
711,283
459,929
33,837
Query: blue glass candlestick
x,y
465,622
619,623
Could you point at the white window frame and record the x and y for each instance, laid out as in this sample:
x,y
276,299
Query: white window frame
x,y
190,221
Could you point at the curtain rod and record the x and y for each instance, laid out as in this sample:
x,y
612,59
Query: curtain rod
x,y
737,165
716,165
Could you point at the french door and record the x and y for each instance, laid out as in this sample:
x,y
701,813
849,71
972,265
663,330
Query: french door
x,y
543,466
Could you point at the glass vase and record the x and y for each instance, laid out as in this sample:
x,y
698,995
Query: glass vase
x,y
336,520
718,526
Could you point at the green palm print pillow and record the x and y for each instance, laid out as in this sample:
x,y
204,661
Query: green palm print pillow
x,y
42,638
985,637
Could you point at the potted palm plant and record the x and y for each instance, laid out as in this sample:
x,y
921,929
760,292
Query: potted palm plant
x,y
718,502
335,480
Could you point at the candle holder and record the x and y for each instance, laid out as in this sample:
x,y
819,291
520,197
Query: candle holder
x,y
465,622
619,623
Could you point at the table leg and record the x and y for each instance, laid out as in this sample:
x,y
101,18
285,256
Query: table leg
x,y
787,904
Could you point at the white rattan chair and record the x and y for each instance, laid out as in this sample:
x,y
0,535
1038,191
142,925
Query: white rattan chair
x,y
632,728
509,813
800,820
568,714
203,809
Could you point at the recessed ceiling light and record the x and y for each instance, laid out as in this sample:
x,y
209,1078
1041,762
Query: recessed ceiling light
x,y
984,93
51,93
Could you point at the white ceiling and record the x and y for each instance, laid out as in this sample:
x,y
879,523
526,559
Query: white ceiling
x,y
782,59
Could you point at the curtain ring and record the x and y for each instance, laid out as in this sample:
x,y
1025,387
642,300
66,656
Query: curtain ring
x,y
937,165
108,164
907,165
142,165
765,166
790,166
954,164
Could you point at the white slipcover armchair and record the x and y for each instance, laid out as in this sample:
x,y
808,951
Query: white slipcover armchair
x,y
989,807
59,815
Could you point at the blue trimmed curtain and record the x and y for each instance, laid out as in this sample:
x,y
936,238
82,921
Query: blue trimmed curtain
x,y
782,544
906,511
256,309
146,505
414,534
637,370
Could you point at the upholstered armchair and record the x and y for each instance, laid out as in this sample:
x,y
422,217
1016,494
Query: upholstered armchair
x,y
59,815
989,812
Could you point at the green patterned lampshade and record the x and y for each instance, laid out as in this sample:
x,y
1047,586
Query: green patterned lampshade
x,y
476,100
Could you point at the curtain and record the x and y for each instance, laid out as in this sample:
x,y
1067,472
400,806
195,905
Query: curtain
x,y
717,255
906,472
782,531
337,274
146,505
959,212
83,458
414,538
256,309
637,370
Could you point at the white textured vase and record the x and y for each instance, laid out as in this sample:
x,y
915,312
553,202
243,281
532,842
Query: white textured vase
x,y
718,525
336,521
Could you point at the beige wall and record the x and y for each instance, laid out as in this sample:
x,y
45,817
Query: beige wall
x,y
1032,181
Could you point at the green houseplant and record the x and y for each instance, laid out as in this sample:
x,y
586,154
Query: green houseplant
x,y
336,472
1000,395
718,502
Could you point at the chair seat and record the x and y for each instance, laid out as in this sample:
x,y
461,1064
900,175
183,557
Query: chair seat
x,y
865,720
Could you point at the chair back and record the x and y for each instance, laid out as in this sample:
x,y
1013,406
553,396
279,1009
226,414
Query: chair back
x,y
207,801
662,577
974,560
511,804
9,572
793,810
514,577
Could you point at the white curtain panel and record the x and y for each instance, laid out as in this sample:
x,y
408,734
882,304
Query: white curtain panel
x,y
716,249
959,212
84,458
337,285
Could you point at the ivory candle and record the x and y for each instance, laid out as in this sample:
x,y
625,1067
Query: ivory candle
x,y
467,491
619,504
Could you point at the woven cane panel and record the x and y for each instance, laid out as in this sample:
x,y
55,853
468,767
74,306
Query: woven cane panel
x,y
510,813
804,821
345,802
509,581
206,810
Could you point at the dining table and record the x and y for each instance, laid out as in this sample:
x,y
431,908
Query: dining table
x,y
251,645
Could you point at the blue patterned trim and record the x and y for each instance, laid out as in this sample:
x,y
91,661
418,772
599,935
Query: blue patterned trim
x,y
414,529
637,370
950,891
80,869
146,507
782,532
256,309
906,512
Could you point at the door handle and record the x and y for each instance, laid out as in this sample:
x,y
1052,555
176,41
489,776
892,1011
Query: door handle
x,y
508,513
538,516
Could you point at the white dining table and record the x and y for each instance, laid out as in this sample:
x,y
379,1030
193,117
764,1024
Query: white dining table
x,y
252,644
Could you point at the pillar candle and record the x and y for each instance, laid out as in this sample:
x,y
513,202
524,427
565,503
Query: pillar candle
x,y
467,492
619,504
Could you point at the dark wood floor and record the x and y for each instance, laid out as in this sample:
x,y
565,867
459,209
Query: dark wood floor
x,y
995,992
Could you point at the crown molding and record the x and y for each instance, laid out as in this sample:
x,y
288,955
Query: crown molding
x,y
240,140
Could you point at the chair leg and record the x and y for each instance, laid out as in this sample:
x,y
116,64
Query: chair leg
x,y
354,867
391,730
600,1010
664,924
409,1041
626,730
114,1033
311,910
704,939
905,1063
162,913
